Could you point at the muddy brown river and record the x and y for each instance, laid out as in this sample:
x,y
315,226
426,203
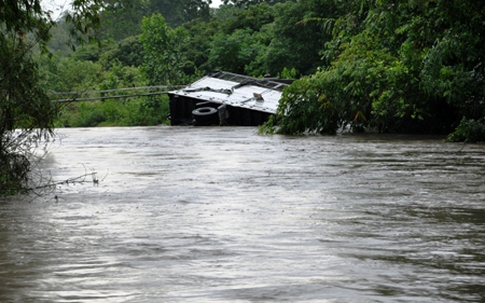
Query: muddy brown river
x,y
184,214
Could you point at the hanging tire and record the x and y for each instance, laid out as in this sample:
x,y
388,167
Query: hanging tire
x,y
204,111
205,116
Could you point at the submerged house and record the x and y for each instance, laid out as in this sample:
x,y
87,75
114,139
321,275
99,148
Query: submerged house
x,y
223,98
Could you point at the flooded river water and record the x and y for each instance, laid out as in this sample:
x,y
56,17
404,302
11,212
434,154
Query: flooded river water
x,y
185,214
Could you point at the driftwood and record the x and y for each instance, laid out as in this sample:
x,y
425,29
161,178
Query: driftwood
x,y
50,186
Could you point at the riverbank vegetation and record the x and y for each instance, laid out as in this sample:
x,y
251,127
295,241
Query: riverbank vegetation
x,y
389,66
414,66
396,66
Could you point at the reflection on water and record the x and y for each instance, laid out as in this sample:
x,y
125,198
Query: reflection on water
x,y
227,215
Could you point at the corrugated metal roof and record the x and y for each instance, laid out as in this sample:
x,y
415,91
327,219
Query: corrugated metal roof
x,y
236,90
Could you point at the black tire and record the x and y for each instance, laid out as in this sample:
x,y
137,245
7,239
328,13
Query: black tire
x,y
205,116
204,111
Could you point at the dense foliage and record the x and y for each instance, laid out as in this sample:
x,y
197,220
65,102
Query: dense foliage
x,y
396,66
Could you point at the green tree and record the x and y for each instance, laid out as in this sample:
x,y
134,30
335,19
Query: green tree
x,y
253,18
237,53
128,51
299,36
197,46
178,12
26,114
121,19
163,62
453,67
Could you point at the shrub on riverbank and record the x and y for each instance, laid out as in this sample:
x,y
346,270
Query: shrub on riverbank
x,y
469,130
129,112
